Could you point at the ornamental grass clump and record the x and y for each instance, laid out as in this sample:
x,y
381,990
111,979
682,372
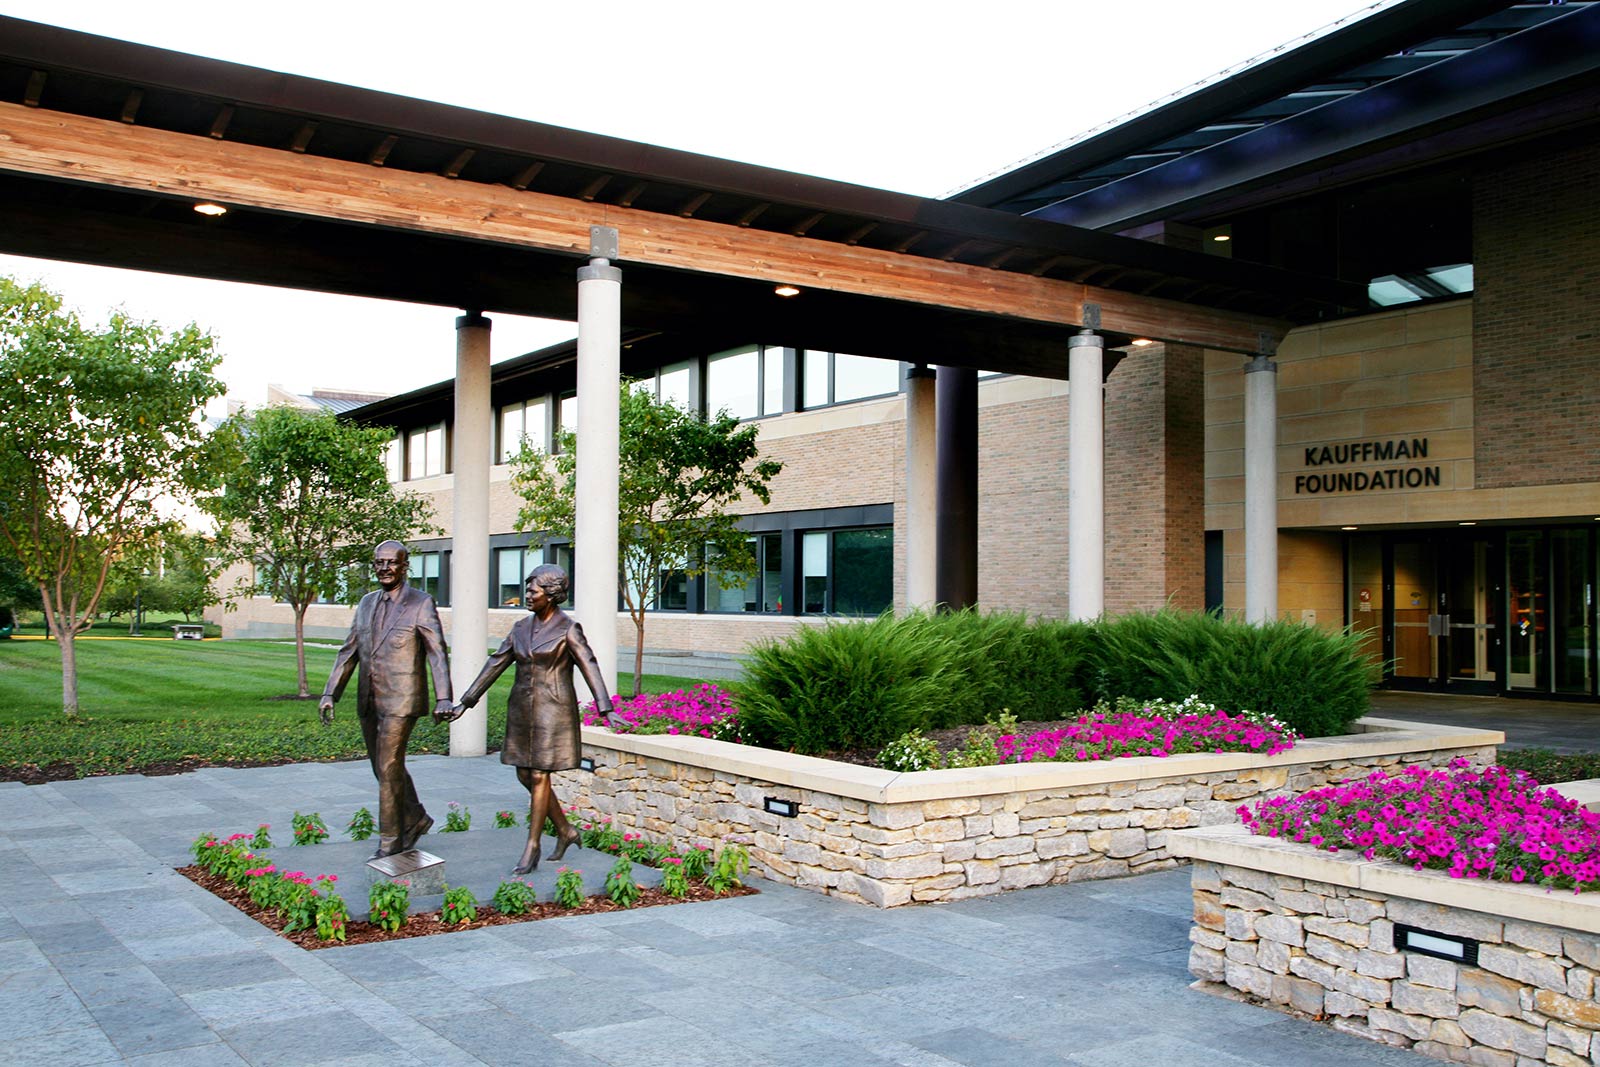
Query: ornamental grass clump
x,y
856,685
1318,681
1150,728
705,710
1493,823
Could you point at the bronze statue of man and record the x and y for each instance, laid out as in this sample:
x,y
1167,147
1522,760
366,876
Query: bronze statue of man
x,y
396,631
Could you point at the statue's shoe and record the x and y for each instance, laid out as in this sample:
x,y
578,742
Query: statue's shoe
x,y
408,840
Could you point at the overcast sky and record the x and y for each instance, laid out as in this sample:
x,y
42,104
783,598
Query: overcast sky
x,y
919,96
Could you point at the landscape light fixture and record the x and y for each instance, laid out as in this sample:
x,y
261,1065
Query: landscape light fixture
x,y
206,207
786,809
1463,950
586,763
786,290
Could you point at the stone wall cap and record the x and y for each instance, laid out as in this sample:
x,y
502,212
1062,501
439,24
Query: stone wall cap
x,y
1378,737
1586,792
1235,846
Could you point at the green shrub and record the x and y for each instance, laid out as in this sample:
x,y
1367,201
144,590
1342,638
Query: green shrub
x,y
1035,669
460,906
847,685
514,898
1316,681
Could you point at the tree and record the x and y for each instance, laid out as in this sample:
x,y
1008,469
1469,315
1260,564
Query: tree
x,y
174,572
680,473
101,430
304,501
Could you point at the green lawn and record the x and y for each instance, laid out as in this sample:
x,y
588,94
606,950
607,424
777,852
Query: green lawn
x,y
167,705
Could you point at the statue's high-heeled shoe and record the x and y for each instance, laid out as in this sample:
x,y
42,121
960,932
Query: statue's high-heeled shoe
x,y
563,841
530,859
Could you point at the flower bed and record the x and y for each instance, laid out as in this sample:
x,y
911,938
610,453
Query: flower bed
x,y
1363,943
888,838
705,710
308,909
1150,728
1490,823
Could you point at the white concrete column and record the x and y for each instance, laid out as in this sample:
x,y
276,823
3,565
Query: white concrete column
x,y
1086,473
1260,489
594,542
922,502
469,553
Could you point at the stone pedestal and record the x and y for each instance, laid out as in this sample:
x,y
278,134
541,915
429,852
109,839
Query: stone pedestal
x,y
422,871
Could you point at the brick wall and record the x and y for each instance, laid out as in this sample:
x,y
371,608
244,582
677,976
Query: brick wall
x,y
1536,319
1155,480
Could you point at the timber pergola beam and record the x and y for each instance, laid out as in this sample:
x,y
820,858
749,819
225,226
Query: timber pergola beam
x,y
66,147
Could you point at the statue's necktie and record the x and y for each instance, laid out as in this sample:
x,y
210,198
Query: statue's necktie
x,y
380,616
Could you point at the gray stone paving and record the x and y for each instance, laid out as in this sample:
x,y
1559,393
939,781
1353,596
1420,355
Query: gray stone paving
x,y
107,956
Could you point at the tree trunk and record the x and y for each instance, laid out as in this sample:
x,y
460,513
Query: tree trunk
x,y
638,653
69,674
300,647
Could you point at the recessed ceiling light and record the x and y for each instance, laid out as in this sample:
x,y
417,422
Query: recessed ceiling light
x,y
1349,527
1466,524
1140,342
786,290
208,208
1222,237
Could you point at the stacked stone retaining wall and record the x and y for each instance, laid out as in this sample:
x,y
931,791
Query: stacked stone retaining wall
x,y
1330,951
888,839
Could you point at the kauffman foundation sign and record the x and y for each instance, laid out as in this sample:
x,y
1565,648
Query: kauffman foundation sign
x,y
1362,454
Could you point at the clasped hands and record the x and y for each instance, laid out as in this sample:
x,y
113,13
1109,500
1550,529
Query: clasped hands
x,y
443,711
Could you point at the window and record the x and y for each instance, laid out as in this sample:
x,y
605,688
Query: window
x,y
672,384
511,567
521,421
746,383
669,591
762,591
392,454
351,578
847,572
425,452
425,573
562,556
836,378
1430,283
566,419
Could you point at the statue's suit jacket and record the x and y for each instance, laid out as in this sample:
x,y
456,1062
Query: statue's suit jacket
x,y
392,680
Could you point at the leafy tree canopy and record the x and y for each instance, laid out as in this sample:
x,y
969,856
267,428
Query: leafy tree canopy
x,y
680,475
101,433
305,500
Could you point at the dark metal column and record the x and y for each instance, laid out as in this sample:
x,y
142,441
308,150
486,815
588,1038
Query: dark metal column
x,y
956,540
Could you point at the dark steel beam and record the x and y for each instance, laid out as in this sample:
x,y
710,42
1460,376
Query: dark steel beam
x,y
1372,37
1477,83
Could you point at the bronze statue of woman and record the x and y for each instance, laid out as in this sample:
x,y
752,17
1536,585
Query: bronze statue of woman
x,y
542,726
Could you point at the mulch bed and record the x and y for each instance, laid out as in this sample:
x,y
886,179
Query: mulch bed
x,y
426,924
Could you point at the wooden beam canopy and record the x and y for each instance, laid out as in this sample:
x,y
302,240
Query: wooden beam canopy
x,y
67,147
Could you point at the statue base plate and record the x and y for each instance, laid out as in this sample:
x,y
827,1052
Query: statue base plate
x,y
422,871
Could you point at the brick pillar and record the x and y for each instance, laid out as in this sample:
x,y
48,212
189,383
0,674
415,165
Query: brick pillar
x,y
1155,480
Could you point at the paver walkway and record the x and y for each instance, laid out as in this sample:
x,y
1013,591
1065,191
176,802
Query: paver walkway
x,y
107,956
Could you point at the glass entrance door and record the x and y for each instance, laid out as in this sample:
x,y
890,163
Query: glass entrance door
x,y
1441,621
1550,582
